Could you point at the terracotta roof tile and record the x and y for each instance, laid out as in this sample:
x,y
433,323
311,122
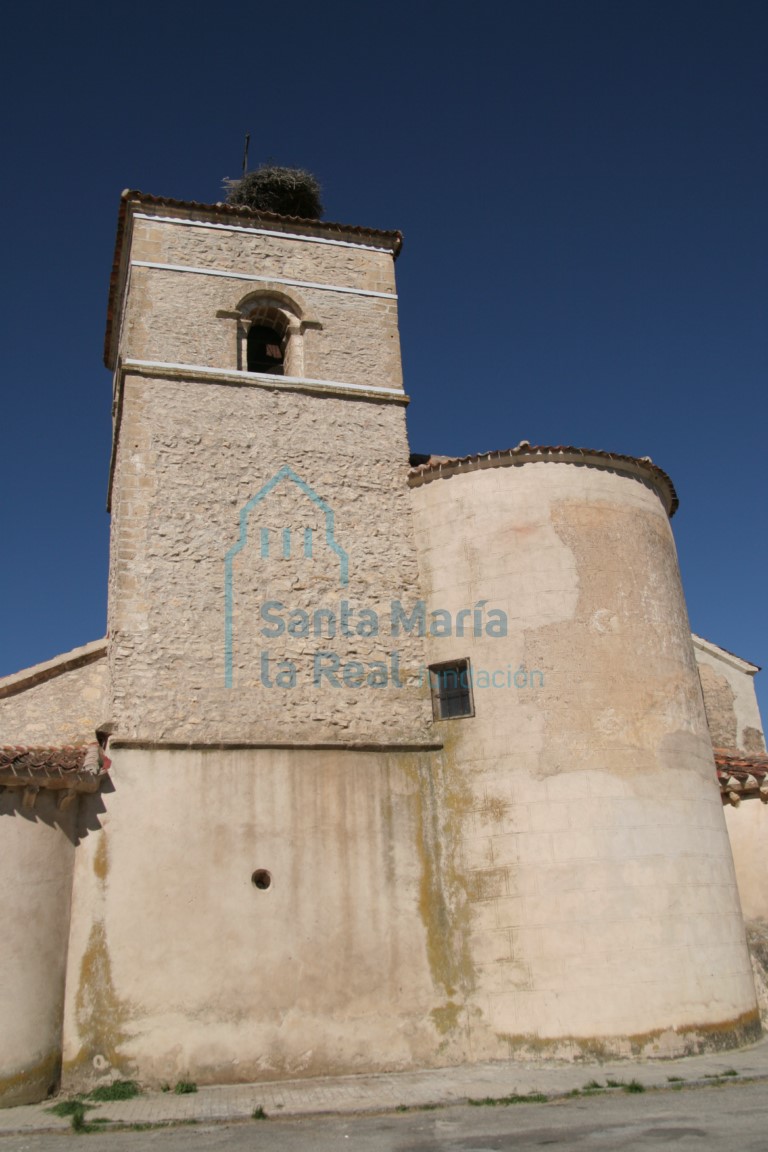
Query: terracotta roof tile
x,y
80,767
741,775
734,758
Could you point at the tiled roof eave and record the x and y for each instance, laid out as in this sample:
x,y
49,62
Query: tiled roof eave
x,y
741,776
390,240
524,453
51,781
74,768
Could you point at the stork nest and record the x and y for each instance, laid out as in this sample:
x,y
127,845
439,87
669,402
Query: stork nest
x,y
285,191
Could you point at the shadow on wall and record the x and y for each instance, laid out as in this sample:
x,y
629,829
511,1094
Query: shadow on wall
x,y
75,822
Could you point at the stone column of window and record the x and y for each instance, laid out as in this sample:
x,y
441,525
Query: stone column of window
x,y
294,348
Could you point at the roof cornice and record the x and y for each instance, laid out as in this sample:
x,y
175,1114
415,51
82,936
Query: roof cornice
x,y
724,655
439,467
741,775
67,770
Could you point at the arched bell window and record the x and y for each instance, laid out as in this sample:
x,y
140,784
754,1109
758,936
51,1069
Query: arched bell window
x,y
270,333
265,350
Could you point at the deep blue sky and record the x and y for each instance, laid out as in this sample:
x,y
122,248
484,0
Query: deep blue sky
x,y
583,188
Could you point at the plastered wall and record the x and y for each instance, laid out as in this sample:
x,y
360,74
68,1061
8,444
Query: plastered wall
x,y
36,866
748,833
585,819
180,967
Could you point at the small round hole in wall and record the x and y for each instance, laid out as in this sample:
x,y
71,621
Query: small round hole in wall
x,y
261,879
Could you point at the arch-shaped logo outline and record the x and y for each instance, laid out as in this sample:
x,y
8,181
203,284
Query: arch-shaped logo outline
x,y
284,473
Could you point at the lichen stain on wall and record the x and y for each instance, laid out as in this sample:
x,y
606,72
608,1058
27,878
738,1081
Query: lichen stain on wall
x,y
32,1083
444,801
685,1040
101,858
101,1015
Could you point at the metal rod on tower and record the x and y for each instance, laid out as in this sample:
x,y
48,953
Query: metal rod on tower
x,y
245,152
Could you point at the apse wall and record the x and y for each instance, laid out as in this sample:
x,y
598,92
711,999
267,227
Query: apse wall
x,y
588,830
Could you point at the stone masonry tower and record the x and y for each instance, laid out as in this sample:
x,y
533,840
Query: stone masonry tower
x,y
240,495
249,906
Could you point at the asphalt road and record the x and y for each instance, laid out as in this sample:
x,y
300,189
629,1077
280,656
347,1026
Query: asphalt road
x,y
730,1117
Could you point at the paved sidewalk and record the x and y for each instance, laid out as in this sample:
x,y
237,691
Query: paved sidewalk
x,y
388,1091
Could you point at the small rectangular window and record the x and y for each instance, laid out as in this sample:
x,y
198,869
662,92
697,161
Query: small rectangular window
x,y
451,685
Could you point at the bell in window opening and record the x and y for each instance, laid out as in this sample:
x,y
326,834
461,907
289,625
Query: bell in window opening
x,y
265,350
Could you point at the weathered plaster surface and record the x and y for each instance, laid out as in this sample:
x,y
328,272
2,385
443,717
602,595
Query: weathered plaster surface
x,y
180,967
36,879
590,841
748,833
729,698
757,937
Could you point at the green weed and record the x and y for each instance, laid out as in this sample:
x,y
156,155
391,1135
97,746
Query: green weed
x,y
68,1107
78,1121
75,1109
185,1087
513,1098
117,1090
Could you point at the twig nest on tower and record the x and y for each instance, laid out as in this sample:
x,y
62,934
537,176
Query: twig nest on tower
x,y
286,191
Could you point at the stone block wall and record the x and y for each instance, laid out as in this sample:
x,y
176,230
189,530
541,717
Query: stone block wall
x,y
59,702
231,495
728,685
182,276
192,455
